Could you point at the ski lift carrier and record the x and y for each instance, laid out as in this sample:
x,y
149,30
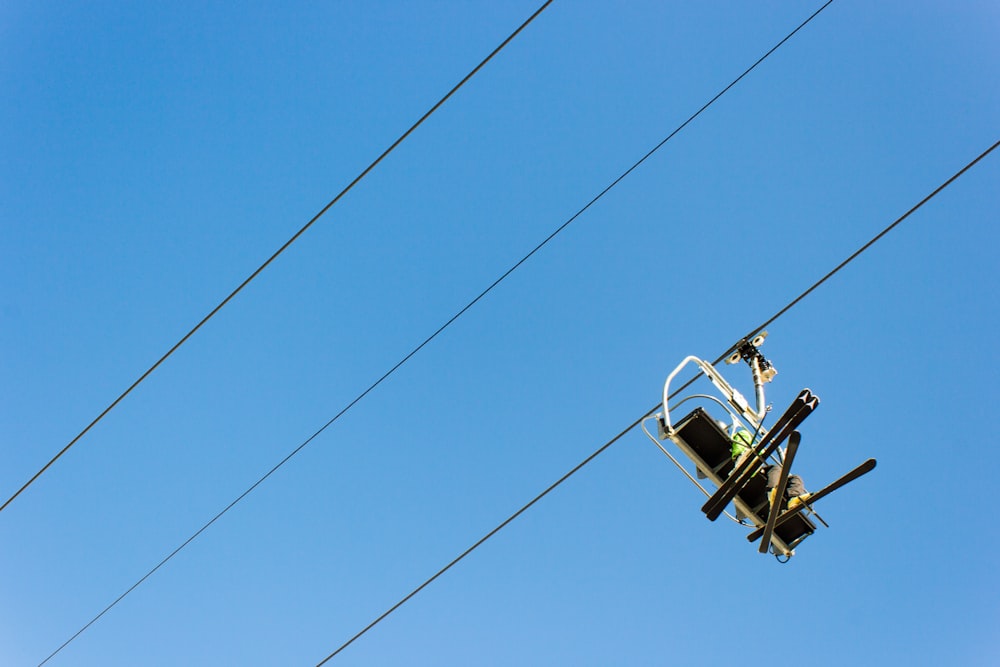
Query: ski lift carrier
x,y
707,442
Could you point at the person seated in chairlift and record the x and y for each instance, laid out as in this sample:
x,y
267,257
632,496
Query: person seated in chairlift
x,y
795,491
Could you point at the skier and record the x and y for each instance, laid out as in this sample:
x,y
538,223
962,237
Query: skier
x,y
795,491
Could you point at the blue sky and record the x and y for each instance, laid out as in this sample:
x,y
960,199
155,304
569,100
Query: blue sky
x,y
154,156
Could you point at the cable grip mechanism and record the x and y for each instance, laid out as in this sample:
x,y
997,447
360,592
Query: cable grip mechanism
x,y
749,351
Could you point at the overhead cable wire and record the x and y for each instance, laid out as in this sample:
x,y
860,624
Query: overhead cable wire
x,y
874,239
496,530
279,251
652,410
435,334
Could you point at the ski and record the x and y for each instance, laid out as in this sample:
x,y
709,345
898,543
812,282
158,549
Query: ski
x,y
862,469
801,408
779,490
711,506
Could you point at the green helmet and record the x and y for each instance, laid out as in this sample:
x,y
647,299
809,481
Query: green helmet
x,y
741,441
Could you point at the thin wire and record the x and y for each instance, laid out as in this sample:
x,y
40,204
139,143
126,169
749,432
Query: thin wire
x,y
483,539
280,250
648,413
876,238
441,329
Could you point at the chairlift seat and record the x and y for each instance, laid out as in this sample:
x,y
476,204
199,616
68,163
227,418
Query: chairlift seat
x,y
710,448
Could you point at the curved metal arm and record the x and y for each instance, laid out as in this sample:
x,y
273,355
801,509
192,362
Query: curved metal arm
x,y
734,397
666,389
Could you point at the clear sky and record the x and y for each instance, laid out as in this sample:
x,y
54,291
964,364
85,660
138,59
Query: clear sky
x,y
155,154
